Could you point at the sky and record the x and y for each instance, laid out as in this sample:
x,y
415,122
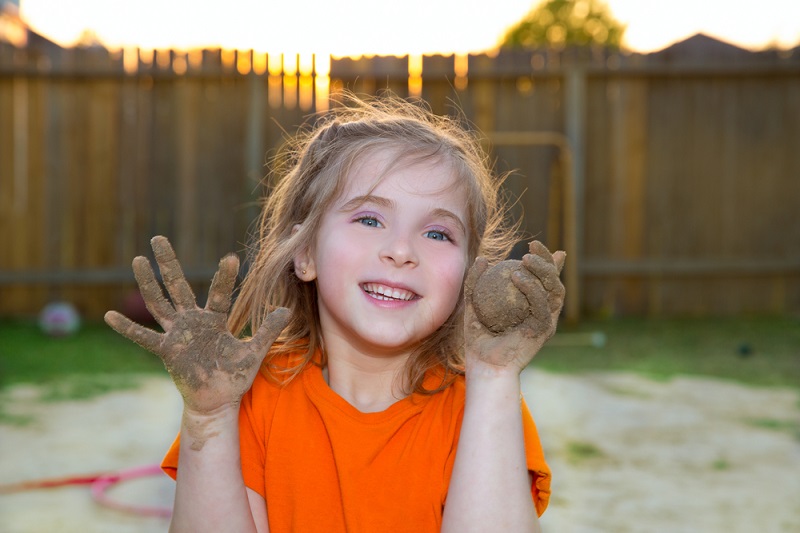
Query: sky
x,y
356,27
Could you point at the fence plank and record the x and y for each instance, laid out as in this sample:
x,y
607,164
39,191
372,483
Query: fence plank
x,y
689,168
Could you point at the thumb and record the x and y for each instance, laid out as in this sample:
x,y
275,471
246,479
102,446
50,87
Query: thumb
x,y
559,257
270,328
476,270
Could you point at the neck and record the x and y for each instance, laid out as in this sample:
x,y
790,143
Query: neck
x,y
367,382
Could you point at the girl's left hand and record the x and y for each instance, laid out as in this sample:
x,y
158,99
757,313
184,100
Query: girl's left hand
x,y
515,347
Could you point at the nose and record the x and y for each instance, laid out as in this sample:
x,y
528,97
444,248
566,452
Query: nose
x,y
399,250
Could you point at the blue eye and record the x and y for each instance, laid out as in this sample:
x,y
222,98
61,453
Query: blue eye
x,y
371,222
437,235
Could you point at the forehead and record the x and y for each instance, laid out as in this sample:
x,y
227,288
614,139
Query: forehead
x,y
382,170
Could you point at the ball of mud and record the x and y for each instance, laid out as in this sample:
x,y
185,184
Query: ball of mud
x,y
498,303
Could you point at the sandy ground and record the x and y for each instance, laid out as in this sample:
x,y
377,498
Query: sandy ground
x,y
628,454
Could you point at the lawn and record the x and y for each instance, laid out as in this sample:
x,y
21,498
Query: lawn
x,y
92,361
757,351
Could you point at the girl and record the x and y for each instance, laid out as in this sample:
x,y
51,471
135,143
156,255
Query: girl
x,y
370,398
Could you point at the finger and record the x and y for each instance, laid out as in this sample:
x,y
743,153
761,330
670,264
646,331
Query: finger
x,y
270,328
534,292
146,338
476,270
151,291
219,295
559,257
555,298
540,250
174,280
541,268
549,275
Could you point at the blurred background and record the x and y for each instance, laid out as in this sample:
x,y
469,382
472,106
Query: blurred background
x,y
665,163
656,142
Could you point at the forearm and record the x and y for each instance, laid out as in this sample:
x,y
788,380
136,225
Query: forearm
x,y
490,487
210,493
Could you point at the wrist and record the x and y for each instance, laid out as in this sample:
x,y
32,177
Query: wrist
x,y
479,369
225,410
198,427
489,380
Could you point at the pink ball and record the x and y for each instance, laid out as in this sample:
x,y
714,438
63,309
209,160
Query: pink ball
x,y
59,319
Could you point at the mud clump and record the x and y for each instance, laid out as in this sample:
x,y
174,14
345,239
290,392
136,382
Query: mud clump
x,y
498,304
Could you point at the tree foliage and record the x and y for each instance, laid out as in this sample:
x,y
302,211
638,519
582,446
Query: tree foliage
x,y
559,23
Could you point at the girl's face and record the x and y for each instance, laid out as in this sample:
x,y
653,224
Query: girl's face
x,y
389,259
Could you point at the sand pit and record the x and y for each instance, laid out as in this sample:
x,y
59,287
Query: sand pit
x,y
628,454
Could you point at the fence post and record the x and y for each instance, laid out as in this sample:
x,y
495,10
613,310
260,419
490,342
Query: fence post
x,y
19,120
254,143
575,126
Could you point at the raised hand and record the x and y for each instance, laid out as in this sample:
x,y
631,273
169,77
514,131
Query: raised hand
x,y
514,347
210,367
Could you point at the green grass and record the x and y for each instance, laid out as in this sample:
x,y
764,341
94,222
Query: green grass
x,y
14,420
721,464
758,351
581,451
92,361
790,426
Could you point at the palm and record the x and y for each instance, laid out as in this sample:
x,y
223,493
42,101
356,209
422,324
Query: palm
x,y
210,367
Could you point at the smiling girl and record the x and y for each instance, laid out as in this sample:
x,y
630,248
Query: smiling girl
x,y
369,398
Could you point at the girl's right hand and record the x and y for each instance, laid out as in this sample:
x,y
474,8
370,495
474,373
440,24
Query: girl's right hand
x,y
210,367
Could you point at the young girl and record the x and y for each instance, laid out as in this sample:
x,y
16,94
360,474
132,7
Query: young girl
x,y
370,398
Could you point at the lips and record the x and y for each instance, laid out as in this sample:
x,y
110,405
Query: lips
x,y
387,293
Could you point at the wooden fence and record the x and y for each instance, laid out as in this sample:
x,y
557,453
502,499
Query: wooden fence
x,y
673,180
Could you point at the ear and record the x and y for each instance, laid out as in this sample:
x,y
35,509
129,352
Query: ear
x,y
304,267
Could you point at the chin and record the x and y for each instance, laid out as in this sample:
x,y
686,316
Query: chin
x,y
391,344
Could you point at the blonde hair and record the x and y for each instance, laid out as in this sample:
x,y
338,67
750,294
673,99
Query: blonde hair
x,y
309,176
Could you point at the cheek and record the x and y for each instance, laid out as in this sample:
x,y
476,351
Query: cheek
x,y
452,280
332,270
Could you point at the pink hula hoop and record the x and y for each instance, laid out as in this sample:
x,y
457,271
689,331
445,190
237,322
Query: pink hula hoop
x,y
101,485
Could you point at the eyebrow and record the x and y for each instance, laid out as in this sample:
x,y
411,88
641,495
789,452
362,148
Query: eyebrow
x,y
358,201
444,213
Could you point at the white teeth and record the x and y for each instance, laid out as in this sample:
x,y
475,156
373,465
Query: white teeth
x,y
381,292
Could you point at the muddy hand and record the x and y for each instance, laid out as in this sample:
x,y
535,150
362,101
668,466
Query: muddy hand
x,y
210,367
538,279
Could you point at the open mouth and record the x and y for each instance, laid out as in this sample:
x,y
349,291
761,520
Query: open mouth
x,y
389,294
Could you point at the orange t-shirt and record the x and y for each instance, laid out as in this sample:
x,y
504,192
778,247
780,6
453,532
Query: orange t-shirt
x,y
323,466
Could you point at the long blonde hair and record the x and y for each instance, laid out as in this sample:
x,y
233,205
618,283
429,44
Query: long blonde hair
x,y
310,174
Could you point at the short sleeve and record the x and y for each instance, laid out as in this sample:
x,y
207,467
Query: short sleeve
x,y
451,455
170,462
540,488
255,414
252,436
